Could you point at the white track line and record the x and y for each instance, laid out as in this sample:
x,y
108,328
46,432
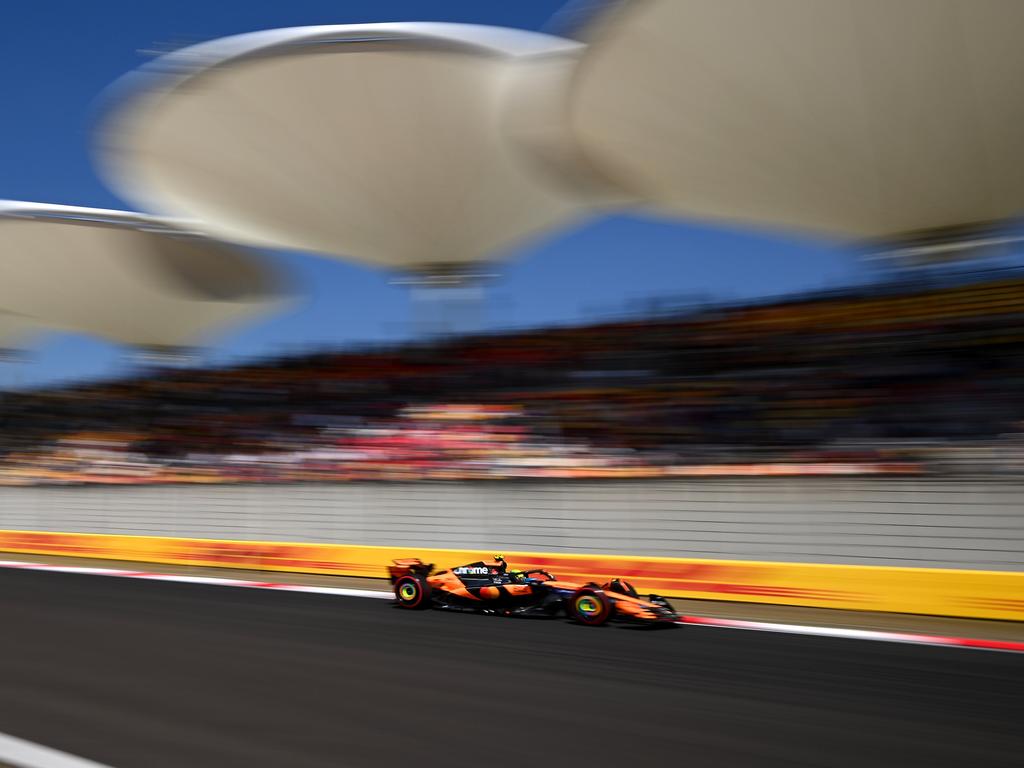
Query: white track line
x,y
24,754
856,634
758,626
214,580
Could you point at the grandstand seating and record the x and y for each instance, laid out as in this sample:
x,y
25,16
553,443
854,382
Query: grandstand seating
x,y
875,378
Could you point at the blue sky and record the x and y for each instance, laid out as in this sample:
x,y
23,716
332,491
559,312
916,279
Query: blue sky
x,y
58,55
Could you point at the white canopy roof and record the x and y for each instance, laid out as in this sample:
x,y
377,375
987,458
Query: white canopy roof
x,y
126,277
382,143
14,329
861,117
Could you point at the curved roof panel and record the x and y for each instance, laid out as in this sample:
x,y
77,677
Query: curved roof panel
x,y
14,329
858,117
381,143
126,277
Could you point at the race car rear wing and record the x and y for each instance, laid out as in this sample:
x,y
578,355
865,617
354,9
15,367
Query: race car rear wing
x,y
408,565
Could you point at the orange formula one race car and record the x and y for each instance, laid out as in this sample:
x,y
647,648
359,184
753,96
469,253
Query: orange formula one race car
x,y
488,586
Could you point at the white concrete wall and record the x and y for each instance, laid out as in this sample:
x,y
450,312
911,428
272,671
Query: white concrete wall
x,y
912,522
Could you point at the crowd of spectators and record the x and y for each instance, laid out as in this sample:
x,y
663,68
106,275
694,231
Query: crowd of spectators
x,y
883,379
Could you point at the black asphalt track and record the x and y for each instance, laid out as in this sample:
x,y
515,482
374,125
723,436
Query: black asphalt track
x,y
142,674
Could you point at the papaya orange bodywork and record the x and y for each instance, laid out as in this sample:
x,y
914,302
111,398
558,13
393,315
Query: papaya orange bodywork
x,y
449,582
489,581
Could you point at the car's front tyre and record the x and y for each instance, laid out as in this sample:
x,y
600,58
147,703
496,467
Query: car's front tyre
x,y
590,606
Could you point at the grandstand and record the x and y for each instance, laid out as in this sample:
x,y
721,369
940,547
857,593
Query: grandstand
x,y
887,378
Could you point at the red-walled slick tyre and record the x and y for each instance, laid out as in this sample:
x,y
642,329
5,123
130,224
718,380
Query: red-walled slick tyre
x,y
590,606
413,592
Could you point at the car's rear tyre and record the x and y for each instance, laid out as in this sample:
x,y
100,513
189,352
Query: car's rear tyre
x,y
590,606
413,592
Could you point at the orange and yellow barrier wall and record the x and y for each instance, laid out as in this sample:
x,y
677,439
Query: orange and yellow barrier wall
x,y
936,591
